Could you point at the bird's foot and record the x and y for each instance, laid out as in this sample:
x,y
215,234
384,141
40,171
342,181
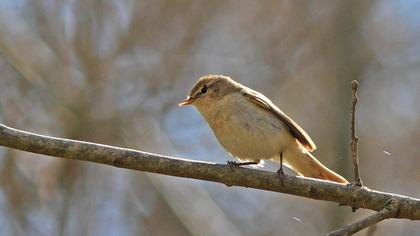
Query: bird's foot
x,y
233,164
280,175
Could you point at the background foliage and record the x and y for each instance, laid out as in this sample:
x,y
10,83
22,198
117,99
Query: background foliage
x,y
113,71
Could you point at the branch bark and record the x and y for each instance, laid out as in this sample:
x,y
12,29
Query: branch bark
x,y
349,195
354,138
389,211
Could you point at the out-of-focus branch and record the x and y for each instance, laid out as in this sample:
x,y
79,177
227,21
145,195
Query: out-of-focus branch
x,y
389,211
354,138
354,196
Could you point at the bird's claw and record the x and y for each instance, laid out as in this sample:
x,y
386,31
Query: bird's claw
x,y
232,164
280,175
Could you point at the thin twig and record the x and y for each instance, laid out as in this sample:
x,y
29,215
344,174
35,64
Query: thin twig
x,y
347,195
354,138
389,211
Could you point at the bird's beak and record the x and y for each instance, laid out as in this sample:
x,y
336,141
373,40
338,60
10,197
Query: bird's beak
x,y
187,101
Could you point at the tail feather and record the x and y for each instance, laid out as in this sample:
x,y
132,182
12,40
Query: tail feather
x,y
307,165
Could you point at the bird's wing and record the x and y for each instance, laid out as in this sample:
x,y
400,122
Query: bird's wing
x,y
262,101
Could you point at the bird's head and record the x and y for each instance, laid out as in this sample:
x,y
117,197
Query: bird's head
x,y
209,89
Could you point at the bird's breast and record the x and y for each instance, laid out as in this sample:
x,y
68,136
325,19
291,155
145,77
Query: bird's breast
x,y
246,130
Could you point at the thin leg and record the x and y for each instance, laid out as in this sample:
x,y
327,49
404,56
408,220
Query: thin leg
x,y
280,172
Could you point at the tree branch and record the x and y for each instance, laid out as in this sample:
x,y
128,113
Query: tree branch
x,y
354,138
389,211
354,196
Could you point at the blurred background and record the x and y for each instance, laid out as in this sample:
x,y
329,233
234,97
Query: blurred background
x,y
113,71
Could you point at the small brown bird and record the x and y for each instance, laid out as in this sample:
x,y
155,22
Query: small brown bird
x,y
252,128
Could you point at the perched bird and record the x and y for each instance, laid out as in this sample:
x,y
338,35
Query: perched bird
x,y
250,127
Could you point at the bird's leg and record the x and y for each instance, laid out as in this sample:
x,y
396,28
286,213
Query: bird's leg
x,y
233,164
280,172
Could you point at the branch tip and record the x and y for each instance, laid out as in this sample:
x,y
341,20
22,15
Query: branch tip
x,y
354,84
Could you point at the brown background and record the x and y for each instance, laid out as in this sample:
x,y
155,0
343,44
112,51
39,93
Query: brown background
x,y
113,71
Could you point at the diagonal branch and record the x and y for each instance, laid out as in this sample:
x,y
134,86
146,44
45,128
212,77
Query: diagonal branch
x,y
389,211
354,196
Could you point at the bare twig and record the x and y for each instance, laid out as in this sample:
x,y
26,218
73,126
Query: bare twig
x,y
389,211
354,138
354,196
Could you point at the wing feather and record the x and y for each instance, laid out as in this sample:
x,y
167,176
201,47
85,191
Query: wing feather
x,y
262,101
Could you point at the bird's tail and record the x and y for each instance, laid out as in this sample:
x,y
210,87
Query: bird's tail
x,y
307,165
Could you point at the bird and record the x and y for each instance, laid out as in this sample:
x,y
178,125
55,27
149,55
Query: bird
x,y
252,128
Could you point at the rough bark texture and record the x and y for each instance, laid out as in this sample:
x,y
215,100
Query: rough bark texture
x,y
349,195
354,138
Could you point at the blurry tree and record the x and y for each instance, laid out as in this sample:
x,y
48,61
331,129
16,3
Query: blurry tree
x,y
112,72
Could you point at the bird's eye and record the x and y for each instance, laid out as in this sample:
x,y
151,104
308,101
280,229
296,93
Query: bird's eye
x,y
204,89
